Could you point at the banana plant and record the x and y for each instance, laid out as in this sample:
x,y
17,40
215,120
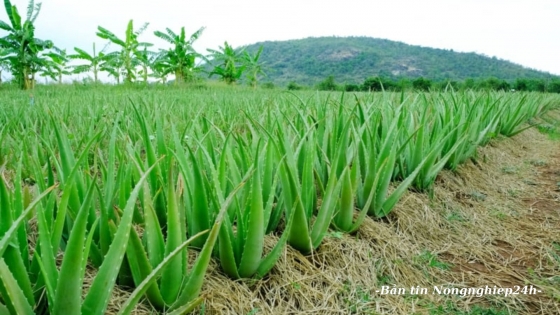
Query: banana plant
x,y
113,64
129,47
159,69
56,66
94,61
180,59
22,47
254,67
146,60
228,63
4,65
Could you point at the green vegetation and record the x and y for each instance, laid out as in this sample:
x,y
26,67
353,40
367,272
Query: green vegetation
x,y
179,60
330,63
228,67
424,84
429,259
25,56
125,60
20,49
549,125
451,309
136,176
124,185
360,63
93,65
353,59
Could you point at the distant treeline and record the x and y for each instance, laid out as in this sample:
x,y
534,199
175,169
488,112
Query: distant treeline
x,y
423,84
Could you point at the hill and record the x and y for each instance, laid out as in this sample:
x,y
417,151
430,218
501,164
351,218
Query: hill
x,y
353,59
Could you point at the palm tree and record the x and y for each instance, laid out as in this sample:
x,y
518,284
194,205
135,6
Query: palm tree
x,y
22,48
181,58
229,66
129,48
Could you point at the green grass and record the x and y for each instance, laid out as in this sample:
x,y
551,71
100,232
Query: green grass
x,y
550,126
431,260
455,216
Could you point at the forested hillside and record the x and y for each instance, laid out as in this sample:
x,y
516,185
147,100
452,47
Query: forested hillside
x,y
353,59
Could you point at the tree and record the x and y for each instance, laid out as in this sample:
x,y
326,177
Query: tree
x,y
404,84
351,87
537,85
469,84
554,86
113,63
422,84
21,47
56,65
3,61
449,85
521,85
328,84
373,84
181,58
145,59
493,83
94,61
293,86
160,69
229,66
129,48
497,84
254,67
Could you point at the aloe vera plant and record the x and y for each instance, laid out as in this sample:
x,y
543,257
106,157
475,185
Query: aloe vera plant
x,y
15,285
64,287
241,251
297,182
426,137
476,120
124,190
178,287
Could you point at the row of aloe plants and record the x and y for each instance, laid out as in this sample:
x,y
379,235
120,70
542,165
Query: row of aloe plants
x,y
125,195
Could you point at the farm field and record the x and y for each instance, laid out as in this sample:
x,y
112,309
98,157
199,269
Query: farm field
x,y
169,200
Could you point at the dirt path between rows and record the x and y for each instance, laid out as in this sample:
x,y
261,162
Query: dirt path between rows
x,y
525,251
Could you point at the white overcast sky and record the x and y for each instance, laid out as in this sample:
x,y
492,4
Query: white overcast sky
x,y
526,32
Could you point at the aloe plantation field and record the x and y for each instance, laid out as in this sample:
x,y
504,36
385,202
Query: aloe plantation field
x,y
128,185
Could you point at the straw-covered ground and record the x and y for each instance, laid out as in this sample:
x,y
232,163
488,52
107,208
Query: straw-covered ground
x,y
495,222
